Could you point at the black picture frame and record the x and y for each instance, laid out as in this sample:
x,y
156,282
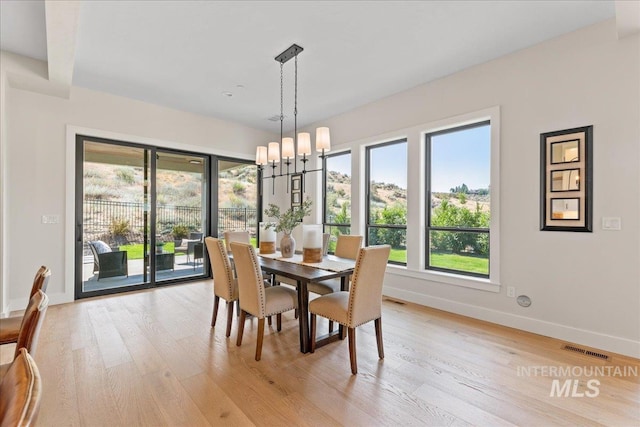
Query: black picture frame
x,y
566,180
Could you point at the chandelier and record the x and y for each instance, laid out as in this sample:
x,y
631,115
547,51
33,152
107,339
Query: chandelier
x,y
284,153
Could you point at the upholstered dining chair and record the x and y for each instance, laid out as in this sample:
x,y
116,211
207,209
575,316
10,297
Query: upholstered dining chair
x,y
30,327
225,286
10,326
255,298
20,391
347,246
361,304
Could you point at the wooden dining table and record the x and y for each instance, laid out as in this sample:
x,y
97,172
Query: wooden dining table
x,y
331,267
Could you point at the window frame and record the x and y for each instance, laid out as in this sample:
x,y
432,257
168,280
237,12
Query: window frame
x,y
325,223
428,194
367,195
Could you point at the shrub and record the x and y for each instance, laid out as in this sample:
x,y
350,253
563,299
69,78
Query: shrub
x,y
126,175
180,232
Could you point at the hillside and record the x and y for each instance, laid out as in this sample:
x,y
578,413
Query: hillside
x,y
384,194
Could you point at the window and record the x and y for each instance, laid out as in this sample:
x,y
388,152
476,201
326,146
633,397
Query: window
x,y
386,171
337,196
458,199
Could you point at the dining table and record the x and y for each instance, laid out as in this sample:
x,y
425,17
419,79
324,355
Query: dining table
x,y
303,273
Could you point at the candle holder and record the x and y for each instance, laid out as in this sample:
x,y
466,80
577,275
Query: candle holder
x,y
267,239
312,243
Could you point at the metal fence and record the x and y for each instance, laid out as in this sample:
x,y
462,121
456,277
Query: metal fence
x,y
102,216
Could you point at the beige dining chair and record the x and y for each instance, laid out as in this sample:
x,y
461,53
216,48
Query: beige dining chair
x,y
347,246
225,286
10,326
255,298
361,304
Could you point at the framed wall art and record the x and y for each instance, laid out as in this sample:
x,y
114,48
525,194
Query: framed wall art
x,y
296,190
566,180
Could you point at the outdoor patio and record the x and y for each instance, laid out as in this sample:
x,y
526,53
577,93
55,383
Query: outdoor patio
x,y
182,267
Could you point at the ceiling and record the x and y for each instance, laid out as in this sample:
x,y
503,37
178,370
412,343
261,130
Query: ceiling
x,y
190,55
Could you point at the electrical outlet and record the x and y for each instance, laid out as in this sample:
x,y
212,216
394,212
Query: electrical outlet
x,y
511,291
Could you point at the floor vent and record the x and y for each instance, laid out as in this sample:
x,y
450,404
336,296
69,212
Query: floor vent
x,y
395,301
586,352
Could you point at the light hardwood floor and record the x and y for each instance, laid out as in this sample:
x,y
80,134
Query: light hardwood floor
x,y
151,358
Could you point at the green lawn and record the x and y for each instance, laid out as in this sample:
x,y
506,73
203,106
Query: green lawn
x,y
135,251
469,263
398,255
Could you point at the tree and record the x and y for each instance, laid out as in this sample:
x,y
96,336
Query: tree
x,y
390,215
449,215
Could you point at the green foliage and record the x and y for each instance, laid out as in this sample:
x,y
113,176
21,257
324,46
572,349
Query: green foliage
x,y
460,189
119,227
449,215
180,232
462,197
290,219
126,175
389,215
343,217
238,188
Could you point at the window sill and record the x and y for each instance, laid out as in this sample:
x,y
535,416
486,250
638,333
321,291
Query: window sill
x,y
445,278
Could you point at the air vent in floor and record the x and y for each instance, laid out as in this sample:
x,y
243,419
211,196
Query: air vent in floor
x,y
586,352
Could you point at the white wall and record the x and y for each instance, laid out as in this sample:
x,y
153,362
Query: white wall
x,y
585,287
38,165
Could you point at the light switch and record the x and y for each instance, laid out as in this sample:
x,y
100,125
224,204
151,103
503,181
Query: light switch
x,y
50,219
611,223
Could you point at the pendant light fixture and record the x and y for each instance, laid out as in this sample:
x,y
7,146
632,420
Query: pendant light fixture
x,y
285,152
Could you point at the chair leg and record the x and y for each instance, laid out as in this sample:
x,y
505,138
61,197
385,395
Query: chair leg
x,y
343,332
216,301
378,323
295,313
269,320
352,350
260,338
312,327
229,317
243,315
279,322
330,326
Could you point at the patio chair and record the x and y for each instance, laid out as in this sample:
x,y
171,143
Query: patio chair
x,y
106,262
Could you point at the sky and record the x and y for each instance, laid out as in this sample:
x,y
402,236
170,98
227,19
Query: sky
x,y
457,158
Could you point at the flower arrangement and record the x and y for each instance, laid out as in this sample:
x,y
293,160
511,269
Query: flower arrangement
x,y
290,219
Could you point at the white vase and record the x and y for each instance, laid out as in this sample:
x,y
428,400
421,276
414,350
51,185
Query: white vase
x,y
287,246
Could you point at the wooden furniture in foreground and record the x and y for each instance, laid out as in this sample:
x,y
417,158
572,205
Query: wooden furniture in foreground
x,y
10,326
255,299
302,275
225,286
20,392
30,326
362,304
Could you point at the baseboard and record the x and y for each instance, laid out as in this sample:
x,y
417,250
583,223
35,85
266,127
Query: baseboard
x,y
19,304
596,340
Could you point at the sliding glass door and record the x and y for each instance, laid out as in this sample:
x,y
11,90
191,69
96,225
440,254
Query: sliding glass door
x,y
181,214
238,203
141,216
